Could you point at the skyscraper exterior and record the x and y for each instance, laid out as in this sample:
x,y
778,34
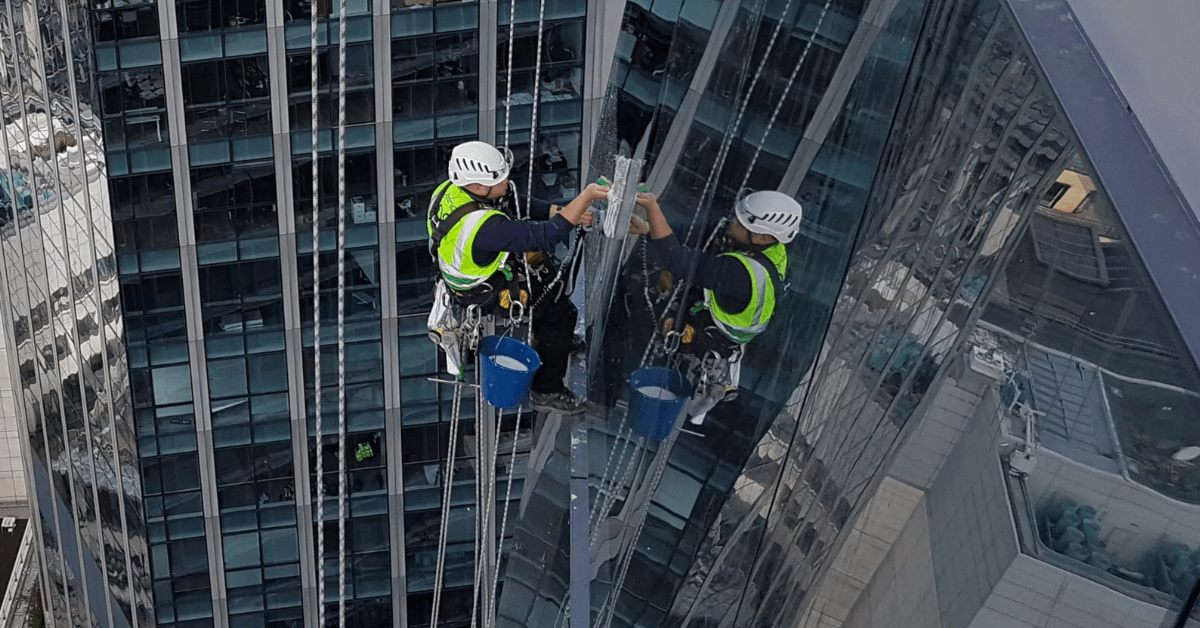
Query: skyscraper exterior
x,y
158,209
989,237
991,242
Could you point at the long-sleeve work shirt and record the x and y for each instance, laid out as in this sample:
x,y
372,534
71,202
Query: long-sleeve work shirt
x,y
723,274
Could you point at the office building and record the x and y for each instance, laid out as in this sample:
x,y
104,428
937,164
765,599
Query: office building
x,y
158,215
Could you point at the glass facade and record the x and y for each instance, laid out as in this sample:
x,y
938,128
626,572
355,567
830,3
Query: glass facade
x,y
952,211
197,119
962,214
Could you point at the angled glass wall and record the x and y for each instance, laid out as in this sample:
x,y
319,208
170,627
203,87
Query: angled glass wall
x,y
951,207
690,478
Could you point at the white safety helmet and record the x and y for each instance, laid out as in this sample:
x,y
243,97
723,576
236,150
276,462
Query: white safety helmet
x,y
479,162
771,213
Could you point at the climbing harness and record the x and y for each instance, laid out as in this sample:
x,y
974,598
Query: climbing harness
x,y
716,380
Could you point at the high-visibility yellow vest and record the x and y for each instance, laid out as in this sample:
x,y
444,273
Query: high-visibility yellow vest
x,y
453,221
741,327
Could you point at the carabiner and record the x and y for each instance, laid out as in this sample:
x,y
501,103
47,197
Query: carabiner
x,y
516,311
671,341
474,316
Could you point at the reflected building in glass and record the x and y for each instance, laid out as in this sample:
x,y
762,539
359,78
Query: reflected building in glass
x,y
976,406
977,403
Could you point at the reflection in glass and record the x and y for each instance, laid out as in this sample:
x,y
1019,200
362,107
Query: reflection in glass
x,y
959,262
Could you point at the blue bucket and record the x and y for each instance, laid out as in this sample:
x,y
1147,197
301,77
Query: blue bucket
x,y
656,398
507,366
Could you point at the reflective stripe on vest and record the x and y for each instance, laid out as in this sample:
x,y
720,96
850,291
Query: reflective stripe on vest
x,y
454,251
742,327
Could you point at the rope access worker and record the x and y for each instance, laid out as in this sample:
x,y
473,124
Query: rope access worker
x,y
475,231
736,281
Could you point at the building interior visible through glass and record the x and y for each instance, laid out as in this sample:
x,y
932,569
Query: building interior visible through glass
x,y
868,315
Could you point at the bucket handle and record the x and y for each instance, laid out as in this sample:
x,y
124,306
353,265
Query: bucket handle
x,y
516,310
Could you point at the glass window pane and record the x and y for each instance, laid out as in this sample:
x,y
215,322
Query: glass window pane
x,y
453,126
412,22
245,43
172,384
412,130
458,16
211,153
280,546
357,29
227,378
368,534
199,48
241,550
140,54
149,160
106,58
268,373
252,148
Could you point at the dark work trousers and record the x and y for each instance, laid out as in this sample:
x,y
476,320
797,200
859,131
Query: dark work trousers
x,y
553,331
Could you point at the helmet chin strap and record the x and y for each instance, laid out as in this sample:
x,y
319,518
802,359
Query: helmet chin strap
x,y
502,203
725,243
482,200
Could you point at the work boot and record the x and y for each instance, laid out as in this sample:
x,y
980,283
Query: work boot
x,y
560,401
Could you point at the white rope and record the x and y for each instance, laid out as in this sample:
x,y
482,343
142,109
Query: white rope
x,y
341,312
482,494
512,34
564,610
604,503
533,137
731,133
448,477
623,437
611,603
610,497
316,287
512,461
478,506
787,88
537,95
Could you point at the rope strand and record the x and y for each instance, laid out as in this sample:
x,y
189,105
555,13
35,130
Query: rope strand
x,y
512,461
448,477
731,132
787,88
316,287
482,495
341,312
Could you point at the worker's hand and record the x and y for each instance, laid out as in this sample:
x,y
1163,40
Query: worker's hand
x,y
638,226
649,201
575,210
595,192
587,218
